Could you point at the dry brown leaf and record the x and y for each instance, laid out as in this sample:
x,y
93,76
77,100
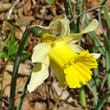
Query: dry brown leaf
x,y
5,6
24,21
24,69
98,31
94,3
58,90
21,81
18,33
39,106
26,104
6,84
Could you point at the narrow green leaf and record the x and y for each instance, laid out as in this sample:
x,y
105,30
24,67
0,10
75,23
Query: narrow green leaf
x,y
4,55
12,47
106,16
4,44
107,46
103,82
94,91
84,12
19,107
106,41
96,71
26,43
15,70
102,101
107,61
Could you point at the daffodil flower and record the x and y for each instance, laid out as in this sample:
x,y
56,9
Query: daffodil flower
x,y
70,63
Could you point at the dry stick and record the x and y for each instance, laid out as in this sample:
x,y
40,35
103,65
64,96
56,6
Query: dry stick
x,y
48,96
57,102
1,94
11,10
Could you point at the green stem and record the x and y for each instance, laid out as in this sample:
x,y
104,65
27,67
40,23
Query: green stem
x,y
82,96
15,70
23,94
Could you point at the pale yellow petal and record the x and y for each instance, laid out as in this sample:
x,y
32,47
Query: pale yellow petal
x,y
76,48
54,26
41,53
75,37
59,73
91,27
65,29
96,55
57,19
39,74
72,38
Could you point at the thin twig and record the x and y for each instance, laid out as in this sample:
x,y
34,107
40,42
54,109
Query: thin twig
x,y
11,10
1,94
59,97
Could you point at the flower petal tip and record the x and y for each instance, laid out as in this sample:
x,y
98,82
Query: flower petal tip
x,y
96,55
94,21
91,27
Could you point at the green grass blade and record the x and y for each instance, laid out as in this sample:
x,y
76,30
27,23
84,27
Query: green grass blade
x,y
23,94
107,46
103,82
94,91
96,71
106,16
5,42
102,101
106,41
84,12
107,60
15,70
108,34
